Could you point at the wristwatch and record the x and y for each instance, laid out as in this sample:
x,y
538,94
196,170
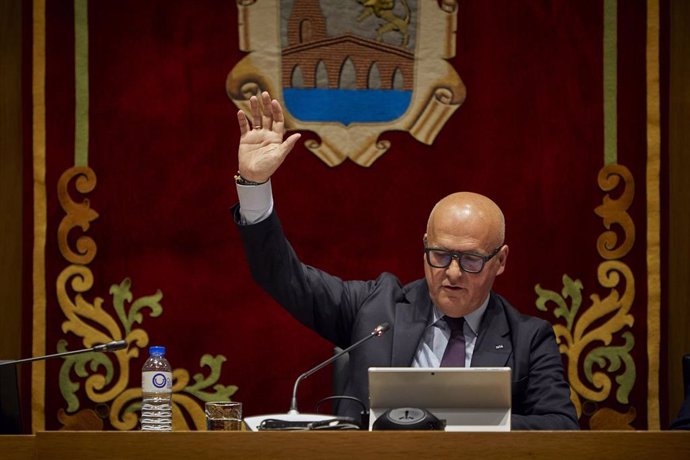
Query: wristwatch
x,y
239,180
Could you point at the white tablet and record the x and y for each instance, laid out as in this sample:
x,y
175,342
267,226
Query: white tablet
x,y
467,398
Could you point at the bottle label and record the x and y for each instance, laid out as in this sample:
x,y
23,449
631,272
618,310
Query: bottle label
x,y
156,382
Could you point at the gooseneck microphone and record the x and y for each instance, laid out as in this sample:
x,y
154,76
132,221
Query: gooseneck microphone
x,y
105,347
377,332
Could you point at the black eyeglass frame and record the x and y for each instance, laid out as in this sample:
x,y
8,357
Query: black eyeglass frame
x,y
457,255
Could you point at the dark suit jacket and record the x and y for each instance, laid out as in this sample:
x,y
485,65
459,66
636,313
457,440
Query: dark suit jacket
x,y
682,422
346,311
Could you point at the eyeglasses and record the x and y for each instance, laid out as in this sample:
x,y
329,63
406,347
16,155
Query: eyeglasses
x,y
469,262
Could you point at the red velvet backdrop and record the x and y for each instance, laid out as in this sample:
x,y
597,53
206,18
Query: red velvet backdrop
x,y
163,142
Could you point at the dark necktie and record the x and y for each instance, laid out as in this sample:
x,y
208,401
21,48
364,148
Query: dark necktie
x,y
454,356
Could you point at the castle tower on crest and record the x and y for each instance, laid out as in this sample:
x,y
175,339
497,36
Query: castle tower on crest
x,y
306,23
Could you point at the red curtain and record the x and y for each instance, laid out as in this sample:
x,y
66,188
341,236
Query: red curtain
x,y
162,145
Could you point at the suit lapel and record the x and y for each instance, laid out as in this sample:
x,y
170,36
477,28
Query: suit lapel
x,y
411,317
493,347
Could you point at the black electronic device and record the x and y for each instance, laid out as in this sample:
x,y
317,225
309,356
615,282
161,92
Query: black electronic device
x,y
408,418
10,413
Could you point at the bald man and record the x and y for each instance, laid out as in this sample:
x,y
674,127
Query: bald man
x,y
464,251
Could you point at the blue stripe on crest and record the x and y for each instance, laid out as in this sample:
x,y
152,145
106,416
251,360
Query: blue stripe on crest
x,y
346,105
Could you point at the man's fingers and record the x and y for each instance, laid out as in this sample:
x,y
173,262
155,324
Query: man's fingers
x,y
279,154
287,145
281,151
256,111
277,111
267,118
243,123
290,142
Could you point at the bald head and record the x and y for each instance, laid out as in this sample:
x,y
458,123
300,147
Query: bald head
x,y
464,223
469,213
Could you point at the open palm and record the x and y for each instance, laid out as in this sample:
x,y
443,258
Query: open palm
x,y
262,149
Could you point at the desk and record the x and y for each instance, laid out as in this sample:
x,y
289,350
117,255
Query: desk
x,y
608,445
18,447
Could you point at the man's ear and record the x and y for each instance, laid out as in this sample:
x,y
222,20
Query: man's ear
x,y
502,259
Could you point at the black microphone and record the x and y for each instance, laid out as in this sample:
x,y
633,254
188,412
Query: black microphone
x,y
378,331
110,346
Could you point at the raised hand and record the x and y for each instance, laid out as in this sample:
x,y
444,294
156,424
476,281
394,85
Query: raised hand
x,y
262,149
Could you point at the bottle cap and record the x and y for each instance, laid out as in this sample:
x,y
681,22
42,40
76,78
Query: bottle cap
x,y
157,350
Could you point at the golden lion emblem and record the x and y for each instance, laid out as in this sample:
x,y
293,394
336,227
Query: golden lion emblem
x,y
383,9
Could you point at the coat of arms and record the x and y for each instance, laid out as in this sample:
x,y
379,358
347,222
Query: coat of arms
x,y
351,69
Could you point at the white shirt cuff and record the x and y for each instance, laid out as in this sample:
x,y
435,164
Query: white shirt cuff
x,y
256,202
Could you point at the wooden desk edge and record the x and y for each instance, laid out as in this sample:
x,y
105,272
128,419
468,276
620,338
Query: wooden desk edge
x,y
106,445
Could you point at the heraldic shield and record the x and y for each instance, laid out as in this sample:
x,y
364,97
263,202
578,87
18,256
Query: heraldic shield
x,y
349,70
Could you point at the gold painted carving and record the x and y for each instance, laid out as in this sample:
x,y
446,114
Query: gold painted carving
x,y
107,380
76,215
597,341
615,212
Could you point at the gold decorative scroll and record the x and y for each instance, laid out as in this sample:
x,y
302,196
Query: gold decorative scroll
x,y
110,385
598,340
77,215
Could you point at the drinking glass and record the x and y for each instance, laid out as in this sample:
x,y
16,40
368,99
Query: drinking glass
x,y
223,416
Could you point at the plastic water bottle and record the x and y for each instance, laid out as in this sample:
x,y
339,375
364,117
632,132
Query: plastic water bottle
x,y
156,388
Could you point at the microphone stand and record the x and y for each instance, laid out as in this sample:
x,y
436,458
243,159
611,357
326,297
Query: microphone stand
x,y
10,408
377,332
110,346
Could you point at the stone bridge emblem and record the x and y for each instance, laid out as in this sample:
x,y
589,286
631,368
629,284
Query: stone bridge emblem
x,y
350,70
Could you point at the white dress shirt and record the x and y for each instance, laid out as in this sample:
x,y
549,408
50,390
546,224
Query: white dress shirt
x,y
437,333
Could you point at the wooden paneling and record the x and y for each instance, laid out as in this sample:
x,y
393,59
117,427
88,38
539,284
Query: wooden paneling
x,y
17,447
679,202
10,178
